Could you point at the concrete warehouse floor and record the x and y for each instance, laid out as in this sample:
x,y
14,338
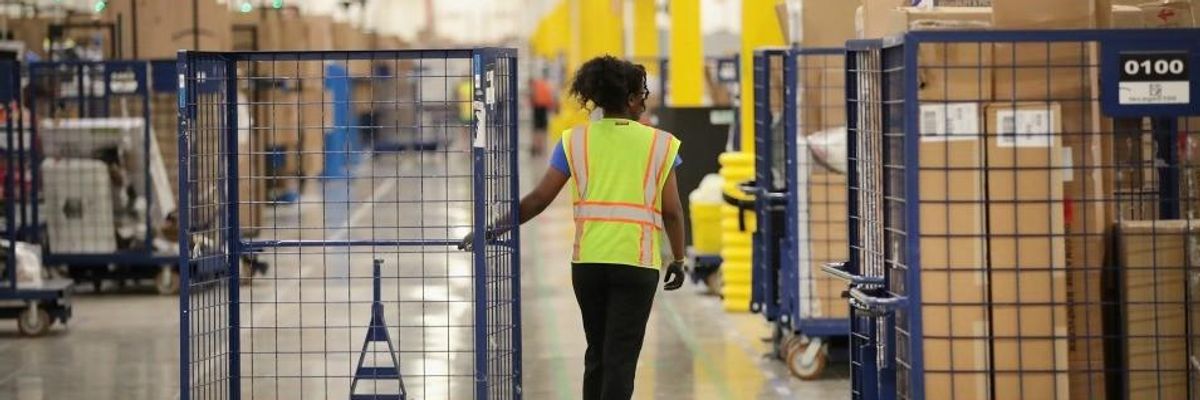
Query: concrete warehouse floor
x,y
124,344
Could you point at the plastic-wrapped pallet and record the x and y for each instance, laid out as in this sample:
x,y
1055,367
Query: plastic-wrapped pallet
x,y
29,264
80,219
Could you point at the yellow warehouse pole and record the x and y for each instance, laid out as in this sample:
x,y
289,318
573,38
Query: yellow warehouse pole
x,y
760,27
594,29
550,37
686,61
645,34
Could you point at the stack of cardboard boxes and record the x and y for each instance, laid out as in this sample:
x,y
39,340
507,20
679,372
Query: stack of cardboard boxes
x,y
154,29
821,102
1017,180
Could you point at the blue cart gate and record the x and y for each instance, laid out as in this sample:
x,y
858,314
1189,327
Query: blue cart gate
x,y
1023,208
368,297
814,166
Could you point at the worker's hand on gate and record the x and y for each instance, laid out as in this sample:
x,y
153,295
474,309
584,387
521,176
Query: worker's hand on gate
x,y
468,242
676,274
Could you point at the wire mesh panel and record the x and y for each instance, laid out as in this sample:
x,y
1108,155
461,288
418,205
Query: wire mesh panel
x,y
368,297
876,200
770,180
815,144
1036,213
98,170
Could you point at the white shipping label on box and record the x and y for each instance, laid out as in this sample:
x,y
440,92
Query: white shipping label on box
x,y
949,121
481,124
1025,128
1160,92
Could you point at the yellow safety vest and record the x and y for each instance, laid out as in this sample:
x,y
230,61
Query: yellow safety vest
x,y
619,168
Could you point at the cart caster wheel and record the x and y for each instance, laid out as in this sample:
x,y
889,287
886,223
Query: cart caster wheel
x,y
167,281
786,347
246,273
714,282
804,365
34,321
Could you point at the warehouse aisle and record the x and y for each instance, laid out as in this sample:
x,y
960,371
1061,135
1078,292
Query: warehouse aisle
x,y
693,349
124,344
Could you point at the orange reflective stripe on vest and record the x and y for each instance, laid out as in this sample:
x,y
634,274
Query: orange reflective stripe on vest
x,y
619,203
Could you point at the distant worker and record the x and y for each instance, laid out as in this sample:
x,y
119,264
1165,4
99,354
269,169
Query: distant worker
x,y
542,100
624,194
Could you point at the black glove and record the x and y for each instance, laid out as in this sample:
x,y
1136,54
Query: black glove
x,y
676,274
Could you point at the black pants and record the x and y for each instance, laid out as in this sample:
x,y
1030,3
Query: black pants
x,y
615,301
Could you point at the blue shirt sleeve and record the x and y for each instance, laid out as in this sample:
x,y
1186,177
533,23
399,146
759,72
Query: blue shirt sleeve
x,y
558,160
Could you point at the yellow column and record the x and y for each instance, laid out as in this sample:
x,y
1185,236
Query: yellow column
x,y
686,65
759,28
550,37
595,29
645,33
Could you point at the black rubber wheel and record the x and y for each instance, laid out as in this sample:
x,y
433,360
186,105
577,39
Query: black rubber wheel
x,y
34,322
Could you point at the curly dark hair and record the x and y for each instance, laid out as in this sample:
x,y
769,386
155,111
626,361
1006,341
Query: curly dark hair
x,y
609,82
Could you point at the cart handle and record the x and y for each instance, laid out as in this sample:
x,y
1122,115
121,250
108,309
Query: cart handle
x,y
839,270
772,197
876,303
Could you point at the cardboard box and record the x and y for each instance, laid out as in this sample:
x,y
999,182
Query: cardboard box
x,y
160,28
1127,17
822,93
826,23
993,255
1027,251
903,19
873,12
33,32
1051,14
1155,257
1168,14
948,71
828,240
1036,72
283,30
320,32
953,276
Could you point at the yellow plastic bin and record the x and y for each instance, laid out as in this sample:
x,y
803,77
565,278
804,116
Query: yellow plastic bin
x,y
704,209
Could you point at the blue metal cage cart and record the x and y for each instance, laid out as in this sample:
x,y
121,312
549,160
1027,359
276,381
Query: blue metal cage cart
x,y
814,230
1021,206
36,303
368,297
770,186
99,187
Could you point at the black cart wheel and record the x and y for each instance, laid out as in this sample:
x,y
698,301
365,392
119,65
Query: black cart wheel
x,y
167,281
34,321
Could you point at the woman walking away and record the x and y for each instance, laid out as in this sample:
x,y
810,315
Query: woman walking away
x,y
624,194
